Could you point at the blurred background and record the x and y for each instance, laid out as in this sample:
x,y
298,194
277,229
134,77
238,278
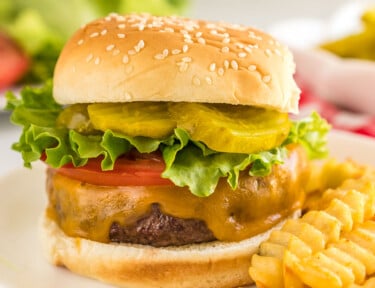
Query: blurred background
x,y
333,42
262,13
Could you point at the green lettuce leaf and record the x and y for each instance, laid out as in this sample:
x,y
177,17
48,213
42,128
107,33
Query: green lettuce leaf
x,y
311,133
188,163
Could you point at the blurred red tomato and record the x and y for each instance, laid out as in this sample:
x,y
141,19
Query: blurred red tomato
x,y
13,62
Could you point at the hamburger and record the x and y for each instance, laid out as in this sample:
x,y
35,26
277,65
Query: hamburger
x,y
169,149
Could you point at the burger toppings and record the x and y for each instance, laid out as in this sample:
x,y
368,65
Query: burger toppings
x,y
105,213
188,162
242,129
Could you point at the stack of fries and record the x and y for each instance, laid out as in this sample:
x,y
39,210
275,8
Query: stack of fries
x,y
333,243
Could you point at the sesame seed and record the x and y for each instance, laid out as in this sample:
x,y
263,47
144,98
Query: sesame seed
x,y
266,79
80,42
225,49
252,67
226,40
248,49
208,80
240,45
104,31
121,26
198,34
277,51
213,32
196,81
121,35
271,42
184,32
186,59
116,52
127,96
97,60
185,48
201,41
141,44
234,64
212,67
226,64
183,66
268,52
95,34
120,18
141,27
89,57
108,18
189,41
169,29
176,51
165,52
242,54
220,71
110,47
125,59
159,57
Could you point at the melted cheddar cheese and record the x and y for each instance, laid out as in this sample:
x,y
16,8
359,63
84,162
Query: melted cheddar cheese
x,y
87,211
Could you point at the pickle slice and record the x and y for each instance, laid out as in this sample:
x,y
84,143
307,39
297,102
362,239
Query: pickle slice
x,y
75,117
149,119
233,129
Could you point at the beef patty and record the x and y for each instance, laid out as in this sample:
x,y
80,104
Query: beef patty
x,y
159,230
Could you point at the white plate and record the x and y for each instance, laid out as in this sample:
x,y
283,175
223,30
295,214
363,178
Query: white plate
x,y
23,200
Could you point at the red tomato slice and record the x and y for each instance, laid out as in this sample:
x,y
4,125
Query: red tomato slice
x,y
128,171
13,63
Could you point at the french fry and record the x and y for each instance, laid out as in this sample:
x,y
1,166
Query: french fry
x,y
358,268
370,283
299,248
314,238
333,246
367,187
266,271
311,273
355,200
345,274
357,252
291,280
324,222
363,238
272,249
342,212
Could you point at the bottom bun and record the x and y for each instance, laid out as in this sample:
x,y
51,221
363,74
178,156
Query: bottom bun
x,y
214,264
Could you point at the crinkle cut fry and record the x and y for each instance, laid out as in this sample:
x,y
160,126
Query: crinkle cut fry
x,y
346,257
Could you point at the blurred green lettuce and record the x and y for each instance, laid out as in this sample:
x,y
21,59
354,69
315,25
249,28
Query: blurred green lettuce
x,y
41,27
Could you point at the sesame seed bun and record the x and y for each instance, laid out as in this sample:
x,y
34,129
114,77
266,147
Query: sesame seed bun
x,y
148,58
213,264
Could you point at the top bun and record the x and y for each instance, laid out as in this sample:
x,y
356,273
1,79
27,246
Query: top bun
x,y
147,58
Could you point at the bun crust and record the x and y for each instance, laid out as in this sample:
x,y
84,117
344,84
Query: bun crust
x,y
214,264
147,58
